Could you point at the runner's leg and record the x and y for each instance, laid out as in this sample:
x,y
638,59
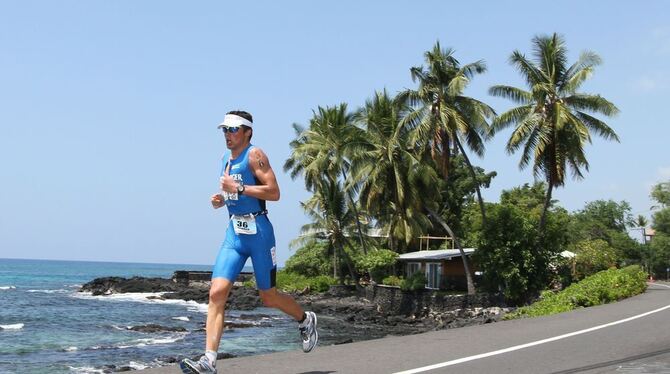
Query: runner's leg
x,y
229,263
287,304
218,296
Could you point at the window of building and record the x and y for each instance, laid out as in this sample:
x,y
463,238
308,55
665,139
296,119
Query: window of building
x,y
433,274
413,267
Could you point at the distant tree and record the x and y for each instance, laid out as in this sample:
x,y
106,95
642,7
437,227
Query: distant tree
x,y
322,153
662,221
661,218
659,255
377,263
609,221
593,256
661,193
447,120
552,123
613,215
310,260
457,197
526,197
392,182
641,223
332,219
512,255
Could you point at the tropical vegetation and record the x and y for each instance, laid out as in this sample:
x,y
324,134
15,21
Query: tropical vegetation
x,y
400,167
603,287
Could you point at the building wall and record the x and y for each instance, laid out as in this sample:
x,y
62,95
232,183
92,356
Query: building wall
x,y
453,272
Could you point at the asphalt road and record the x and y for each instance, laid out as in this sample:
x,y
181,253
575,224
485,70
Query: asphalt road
x,y
621,339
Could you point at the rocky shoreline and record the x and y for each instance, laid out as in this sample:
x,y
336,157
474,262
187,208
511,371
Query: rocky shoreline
x,y
355,315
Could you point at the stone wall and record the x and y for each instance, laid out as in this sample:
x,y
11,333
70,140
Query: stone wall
x,y
393,300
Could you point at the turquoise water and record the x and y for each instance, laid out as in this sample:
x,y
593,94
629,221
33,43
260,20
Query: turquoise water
x,y
47,326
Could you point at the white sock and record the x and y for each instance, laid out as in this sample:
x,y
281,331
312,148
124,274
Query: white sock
x,y
211,355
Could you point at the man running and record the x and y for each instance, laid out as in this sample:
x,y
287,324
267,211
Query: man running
x,y
247,181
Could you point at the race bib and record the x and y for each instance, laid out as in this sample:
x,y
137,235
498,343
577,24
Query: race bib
x,y
245,225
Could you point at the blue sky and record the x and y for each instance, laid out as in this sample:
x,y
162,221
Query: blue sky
x,y
108,142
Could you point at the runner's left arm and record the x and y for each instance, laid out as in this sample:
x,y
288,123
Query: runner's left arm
x,y
267,189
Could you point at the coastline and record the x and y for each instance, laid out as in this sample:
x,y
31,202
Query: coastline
x,y
346,315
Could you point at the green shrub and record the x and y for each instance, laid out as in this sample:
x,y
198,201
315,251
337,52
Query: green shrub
x,y
310,260
514,256
392,281
291,282
600,288
594,256
378,263
414,282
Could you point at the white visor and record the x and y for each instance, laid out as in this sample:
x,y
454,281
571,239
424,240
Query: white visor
x,y
232,120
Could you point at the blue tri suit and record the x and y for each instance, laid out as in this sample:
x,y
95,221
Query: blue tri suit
x,y
238,247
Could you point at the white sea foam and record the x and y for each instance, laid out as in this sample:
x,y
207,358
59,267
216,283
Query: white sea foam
x,y
185,319
89,369
152,341
137,365
71,349
16,326
4,288
86,369
49,291
141,342
144,297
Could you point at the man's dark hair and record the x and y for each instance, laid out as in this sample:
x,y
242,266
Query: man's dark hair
x,y
245,115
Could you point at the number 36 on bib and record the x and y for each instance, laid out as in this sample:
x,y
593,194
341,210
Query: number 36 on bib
x,y
245,225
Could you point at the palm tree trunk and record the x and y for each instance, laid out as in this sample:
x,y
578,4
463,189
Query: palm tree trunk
x,y
466,266
350,266
547,202
474,178
358,222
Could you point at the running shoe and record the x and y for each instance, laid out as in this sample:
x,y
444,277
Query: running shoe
x,y
308,332
203,365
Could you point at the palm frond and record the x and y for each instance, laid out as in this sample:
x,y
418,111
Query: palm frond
x,y
592,103
512,116
517,95
583,66
528,70
600,127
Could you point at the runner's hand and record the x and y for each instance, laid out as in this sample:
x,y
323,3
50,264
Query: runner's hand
x,y
217,201
228,184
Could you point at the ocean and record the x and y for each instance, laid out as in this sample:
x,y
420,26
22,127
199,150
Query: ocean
x,y
46,326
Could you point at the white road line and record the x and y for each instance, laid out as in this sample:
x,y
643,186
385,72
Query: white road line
x,y
531,344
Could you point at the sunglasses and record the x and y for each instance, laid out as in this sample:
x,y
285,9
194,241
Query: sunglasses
x,y
231,130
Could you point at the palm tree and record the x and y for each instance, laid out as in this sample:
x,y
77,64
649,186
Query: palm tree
x,y
393,183
446,118
322,152
551,123
466,265
332,219
641,222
